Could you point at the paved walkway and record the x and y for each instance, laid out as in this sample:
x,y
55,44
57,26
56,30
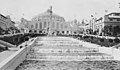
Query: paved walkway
x,y
108,50
6,54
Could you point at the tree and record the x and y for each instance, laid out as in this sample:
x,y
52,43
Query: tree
x,y
88,69
116,30
1,31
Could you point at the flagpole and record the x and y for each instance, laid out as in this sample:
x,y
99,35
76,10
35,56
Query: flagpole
x,y
119,4
50,11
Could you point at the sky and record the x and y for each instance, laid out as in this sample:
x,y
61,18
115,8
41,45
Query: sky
x,y
69,9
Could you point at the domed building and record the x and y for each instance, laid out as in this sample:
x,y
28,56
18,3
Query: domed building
x,y
47,22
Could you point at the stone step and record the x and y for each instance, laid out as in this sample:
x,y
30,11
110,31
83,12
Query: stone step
x,y
69,54
62,47
2,45
64,50
52,50
69,58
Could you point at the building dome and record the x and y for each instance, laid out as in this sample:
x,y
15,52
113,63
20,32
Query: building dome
x,y
47,16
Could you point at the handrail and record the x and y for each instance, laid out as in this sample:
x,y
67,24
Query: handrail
x,y
6,43
16,58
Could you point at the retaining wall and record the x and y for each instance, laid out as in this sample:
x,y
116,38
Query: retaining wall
x,y
6,44
14,60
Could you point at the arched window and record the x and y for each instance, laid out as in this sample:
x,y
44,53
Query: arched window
x,y
30,31
32,26
75,32
53,26
61,26
40,31
57,25
67,32
36,26
48,24
45,24
63,32
35,31
40,25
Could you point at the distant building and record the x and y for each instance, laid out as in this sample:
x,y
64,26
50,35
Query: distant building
x,y
48,22
6,23
21,27
111,19
84,26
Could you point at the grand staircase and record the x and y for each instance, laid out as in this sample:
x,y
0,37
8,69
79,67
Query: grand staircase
x,y
63,53
64,49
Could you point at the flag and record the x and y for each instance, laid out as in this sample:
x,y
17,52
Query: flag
x,y
106,11
50,9
96,13
83,21
91,15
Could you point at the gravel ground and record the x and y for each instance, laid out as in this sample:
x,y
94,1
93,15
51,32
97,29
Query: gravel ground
x,y
66,65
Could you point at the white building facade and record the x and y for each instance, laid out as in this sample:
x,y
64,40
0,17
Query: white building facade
x,y
6,22
48,22
111,19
